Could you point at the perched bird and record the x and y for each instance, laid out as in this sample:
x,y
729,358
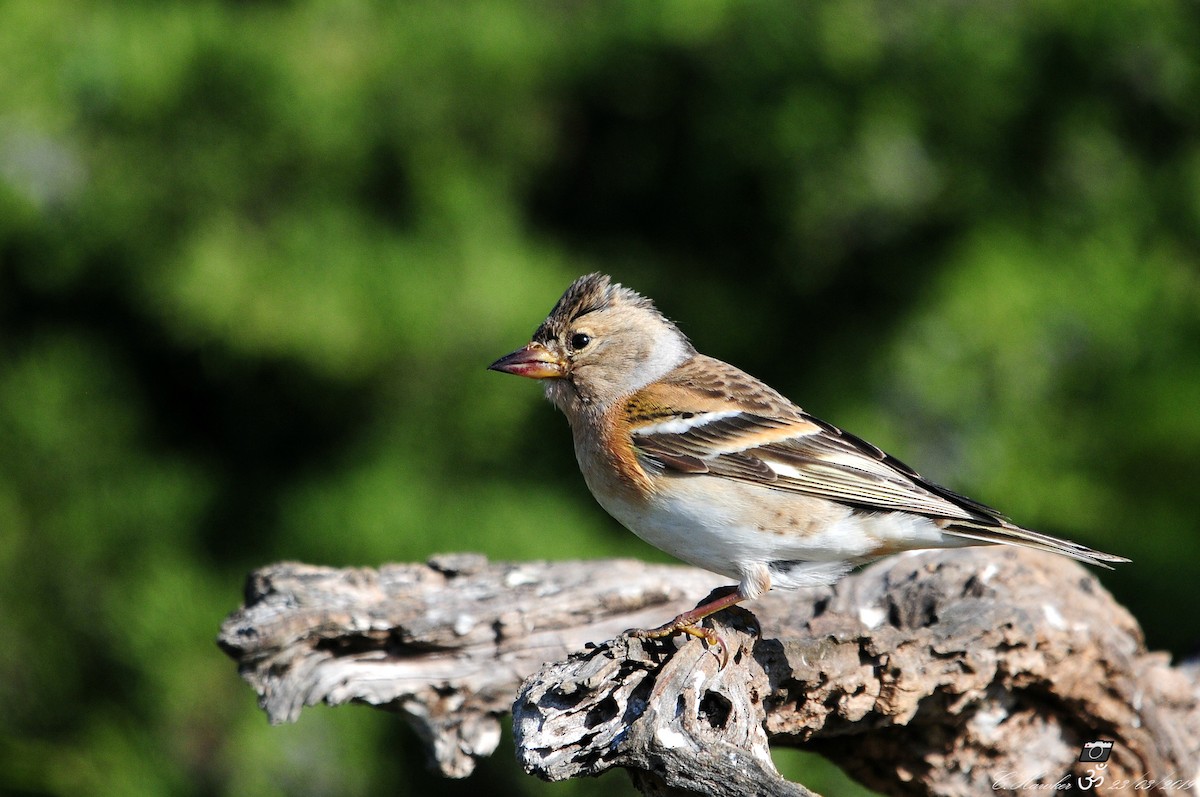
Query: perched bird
x,y
716,468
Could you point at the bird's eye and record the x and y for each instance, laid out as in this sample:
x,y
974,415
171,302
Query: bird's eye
x,y
580,341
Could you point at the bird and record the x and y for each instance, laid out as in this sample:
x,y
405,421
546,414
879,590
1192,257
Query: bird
x,y
716,468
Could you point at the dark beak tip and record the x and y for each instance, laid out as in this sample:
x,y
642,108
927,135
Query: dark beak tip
x,y
502,363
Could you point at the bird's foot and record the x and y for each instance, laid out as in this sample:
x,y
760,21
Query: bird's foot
x,y
689,623
685,625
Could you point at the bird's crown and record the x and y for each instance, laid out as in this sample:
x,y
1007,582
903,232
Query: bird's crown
x,y
588,294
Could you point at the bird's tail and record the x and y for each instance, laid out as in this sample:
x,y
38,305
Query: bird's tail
x,y
1009,534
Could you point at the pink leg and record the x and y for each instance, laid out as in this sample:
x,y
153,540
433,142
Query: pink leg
x,y
689,623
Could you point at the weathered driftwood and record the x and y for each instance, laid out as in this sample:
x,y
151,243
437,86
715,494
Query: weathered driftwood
x,y
943,673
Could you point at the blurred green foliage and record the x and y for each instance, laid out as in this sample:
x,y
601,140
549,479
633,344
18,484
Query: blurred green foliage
x,y
255,256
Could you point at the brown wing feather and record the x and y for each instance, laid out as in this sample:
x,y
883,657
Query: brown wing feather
x,y
806,463
761,428
711,419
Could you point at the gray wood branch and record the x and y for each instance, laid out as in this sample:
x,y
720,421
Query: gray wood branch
x,y
934,674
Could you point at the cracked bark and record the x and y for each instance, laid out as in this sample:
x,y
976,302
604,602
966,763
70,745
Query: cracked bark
x,y
942,673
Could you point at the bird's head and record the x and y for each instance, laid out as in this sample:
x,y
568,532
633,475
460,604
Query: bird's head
x,y
601,342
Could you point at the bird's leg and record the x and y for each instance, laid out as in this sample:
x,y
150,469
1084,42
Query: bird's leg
x,y
689,623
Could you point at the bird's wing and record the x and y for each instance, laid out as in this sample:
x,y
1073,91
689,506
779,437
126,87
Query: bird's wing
x,y
804,455
711,418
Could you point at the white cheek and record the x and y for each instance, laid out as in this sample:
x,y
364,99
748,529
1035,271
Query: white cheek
x,y
664,354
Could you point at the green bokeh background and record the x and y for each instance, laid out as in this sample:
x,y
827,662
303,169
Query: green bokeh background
x,y
255,256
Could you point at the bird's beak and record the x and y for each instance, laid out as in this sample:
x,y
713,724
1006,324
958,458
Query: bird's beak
x,y
534,361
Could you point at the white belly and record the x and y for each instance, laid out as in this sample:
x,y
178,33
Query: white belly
x,y
743,530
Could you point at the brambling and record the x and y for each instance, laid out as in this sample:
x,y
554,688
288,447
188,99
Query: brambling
x,y
716,468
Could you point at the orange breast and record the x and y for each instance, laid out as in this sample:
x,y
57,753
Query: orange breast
x,y
608,461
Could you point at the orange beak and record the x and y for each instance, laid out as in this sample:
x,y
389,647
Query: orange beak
x,y
533,361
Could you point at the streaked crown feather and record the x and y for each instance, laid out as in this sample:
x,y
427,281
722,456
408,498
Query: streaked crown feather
x,y
590,293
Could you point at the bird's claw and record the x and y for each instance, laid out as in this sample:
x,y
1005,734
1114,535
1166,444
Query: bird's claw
x,y
714,641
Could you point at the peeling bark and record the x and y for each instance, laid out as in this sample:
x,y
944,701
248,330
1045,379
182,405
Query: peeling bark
x,y
944,673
